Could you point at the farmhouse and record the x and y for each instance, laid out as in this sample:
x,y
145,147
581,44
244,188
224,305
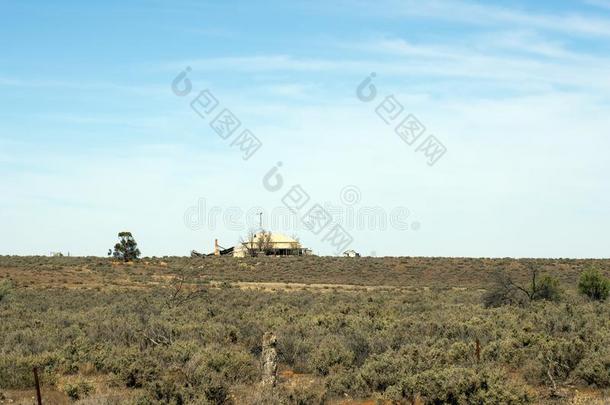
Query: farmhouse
x,y
264,243
270,244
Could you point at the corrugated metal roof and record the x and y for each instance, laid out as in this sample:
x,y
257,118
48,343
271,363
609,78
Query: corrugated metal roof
x,y
276,237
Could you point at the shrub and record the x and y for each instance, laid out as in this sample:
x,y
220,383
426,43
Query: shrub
x,y
381,371
341,382
16,370
306,396
594,285
135,372
78,390
230,365
557,358
548,289
332,351
164,391
595,370
455,385
294,348
6,288
217,391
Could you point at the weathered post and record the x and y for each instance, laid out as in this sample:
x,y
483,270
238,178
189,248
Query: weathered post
x,y
37,382
269,360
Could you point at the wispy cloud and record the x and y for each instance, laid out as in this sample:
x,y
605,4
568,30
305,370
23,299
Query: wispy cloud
x,y
49,83
489,15
263,63
528,42
599,3
485,61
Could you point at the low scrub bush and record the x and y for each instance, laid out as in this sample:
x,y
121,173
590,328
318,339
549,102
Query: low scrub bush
x,y
6,289
594,285
397,344
454,385
230,365
380,372
78,390
332,351
595,369
548,289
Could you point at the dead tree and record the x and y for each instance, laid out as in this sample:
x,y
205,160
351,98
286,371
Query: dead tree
x,y
182,290
250,243
506,291
264,242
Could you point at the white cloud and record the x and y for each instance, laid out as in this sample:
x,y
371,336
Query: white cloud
x,y
256,63
80,85
484,61
480,14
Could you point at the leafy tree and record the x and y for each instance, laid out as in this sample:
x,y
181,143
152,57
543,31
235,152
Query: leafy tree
x,y
594,285
127,248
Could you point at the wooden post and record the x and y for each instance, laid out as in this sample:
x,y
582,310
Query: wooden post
x,y
38,396
269,360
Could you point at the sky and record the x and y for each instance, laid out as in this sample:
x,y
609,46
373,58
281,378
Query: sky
x,y
104,126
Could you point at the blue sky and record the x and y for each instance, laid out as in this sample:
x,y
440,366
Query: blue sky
x,y
93,140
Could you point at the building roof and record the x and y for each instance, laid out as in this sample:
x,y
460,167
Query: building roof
x,y
278,241
276,237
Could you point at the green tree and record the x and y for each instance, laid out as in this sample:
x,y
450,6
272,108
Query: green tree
x,y
127,248
594,285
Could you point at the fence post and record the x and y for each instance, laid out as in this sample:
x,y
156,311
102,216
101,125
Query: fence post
x,y
38,396
269,360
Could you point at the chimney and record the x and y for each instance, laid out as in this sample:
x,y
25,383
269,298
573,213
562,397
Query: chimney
x,y
216,248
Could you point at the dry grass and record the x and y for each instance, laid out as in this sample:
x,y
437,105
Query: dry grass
x,y
95,273
352,331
